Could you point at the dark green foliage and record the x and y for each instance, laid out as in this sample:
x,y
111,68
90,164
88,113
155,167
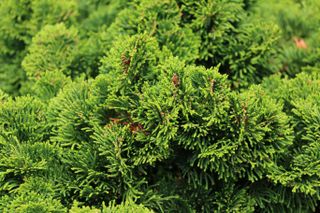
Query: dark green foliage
x,y
24,160
214,21
69,114
234,200
153,106
277,198
23,118
10,74
229,36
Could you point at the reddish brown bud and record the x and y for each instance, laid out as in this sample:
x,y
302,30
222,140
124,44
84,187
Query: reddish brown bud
x,y
125,62
175,80
115,120
135,127
300,43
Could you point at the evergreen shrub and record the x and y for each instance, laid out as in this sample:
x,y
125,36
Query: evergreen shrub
x,y
159,106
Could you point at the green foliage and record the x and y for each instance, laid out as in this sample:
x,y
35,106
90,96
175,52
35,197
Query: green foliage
x,y
23,118
234,200
257,133
11,74
3,96
277,198
35,195
127,207
51,49
160,19
301,97
23,19
23,160
153,106
135,60
49,85
231,37
204,16
69,115
297,20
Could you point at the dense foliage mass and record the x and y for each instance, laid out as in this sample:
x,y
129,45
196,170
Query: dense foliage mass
x,y
159,106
